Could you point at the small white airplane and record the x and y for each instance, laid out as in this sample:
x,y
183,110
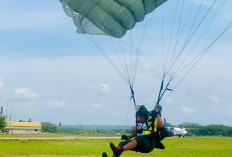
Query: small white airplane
x,y
179,132
176,131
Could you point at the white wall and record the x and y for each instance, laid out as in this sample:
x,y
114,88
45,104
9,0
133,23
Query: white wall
x,y
20,130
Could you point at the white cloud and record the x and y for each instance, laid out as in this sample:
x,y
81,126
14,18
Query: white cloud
x,y
56,103
96,105
214,99
104,88
217,109
169,100
230,112
188,110
1,83
116,114
31,20
25,92
77,94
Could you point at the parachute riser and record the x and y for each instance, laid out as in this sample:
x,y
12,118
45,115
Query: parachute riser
x,y
163,91
133,96
160,91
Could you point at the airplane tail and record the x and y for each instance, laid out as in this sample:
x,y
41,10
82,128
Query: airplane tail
x,y
165,123
169,132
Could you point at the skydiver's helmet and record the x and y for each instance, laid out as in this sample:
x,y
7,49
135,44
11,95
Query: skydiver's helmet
x,y
142,111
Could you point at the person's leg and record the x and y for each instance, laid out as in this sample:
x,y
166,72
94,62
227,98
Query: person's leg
x,y
131,145
123,146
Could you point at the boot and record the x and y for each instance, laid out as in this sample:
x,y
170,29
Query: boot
x,y
104,154
116,150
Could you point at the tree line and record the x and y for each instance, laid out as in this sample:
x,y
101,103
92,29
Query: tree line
x,y
194,129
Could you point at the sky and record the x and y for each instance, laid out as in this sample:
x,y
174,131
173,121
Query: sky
x,y
50,73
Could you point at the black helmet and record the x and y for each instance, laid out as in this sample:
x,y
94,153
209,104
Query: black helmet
x,y
142,111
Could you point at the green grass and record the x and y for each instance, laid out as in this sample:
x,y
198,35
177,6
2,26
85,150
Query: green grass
x,y
181,147
43,135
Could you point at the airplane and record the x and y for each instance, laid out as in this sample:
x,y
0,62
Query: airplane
x,y
175,131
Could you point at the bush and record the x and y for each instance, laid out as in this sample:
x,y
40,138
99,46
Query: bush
x,y
3,123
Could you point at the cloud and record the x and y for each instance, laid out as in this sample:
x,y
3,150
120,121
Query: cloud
x,y
31,20
96,105
24,92
56,103
116,114
214,99
1,83
230,112
104,88
169,100
188,110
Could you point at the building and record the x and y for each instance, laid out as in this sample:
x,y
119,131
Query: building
x,y
23,128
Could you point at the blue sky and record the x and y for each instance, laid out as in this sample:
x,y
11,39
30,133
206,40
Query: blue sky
x,y
50,73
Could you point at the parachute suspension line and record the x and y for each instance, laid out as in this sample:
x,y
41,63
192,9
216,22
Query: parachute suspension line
x,y
208,11
170,40
145,25
122,50
195,18
178,61
135,59
201,55
130,68
124,60
183,28
108,58
128,110
131,56
170,61
161,88
119,58
186,21
162,40
178,30
189,39
180,69
136,64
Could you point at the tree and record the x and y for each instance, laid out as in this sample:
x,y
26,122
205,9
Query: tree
x,y
3,123
60,124
29,120
48,127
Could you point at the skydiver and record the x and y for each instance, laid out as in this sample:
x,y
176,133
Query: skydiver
x,y
148,134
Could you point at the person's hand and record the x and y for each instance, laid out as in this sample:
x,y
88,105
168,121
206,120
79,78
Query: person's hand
x,y
124,137
158,109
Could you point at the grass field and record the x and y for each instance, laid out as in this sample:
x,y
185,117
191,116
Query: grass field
x,y
175,147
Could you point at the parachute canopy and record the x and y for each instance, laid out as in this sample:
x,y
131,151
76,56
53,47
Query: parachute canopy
x,y
181,33
108,17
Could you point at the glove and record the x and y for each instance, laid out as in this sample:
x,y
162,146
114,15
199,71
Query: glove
x,y
124,137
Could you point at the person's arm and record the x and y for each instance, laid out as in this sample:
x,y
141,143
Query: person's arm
x,y
133,134
125,137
